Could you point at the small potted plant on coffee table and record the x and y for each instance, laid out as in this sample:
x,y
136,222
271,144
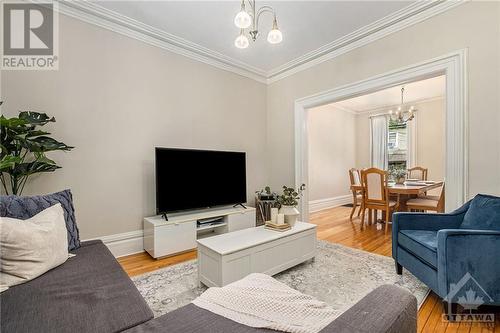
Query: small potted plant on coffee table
x,y
288,202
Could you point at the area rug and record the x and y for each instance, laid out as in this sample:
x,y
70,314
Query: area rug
x,y
339,276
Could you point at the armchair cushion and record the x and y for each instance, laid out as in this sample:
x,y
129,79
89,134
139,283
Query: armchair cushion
x,y
421,243
425,221
483,213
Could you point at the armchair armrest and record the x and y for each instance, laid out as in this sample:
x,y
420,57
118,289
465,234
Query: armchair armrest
x,y
425,221
462,251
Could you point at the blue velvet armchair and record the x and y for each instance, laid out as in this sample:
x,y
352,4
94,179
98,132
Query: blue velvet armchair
x,y
444,250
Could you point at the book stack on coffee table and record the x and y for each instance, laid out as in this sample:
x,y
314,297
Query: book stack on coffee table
x,y
277,227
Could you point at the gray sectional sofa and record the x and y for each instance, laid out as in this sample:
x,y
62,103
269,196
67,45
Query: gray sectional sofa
x,y
92,293
88,293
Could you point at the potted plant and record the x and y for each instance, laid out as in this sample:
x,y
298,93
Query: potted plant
x,y
398,174
265,194
24,147
288,202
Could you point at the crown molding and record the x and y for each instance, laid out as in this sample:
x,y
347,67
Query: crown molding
x,y
399,20
97,15
108,19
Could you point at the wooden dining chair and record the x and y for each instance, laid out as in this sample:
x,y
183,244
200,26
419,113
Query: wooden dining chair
x,y
417,173
357,195
376,195
427,203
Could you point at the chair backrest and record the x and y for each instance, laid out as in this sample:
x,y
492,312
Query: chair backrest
x,y
417,173
354,176
440,206
375,185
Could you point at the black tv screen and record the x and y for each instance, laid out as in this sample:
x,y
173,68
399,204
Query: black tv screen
x,y
189,179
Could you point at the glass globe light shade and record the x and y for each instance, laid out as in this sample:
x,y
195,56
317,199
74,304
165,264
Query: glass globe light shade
x,y
242,20
241,42
274,36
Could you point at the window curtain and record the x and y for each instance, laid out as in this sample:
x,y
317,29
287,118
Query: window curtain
x,y
379,128
411,130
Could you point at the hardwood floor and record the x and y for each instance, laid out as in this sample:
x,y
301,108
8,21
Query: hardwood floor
x,y
334,226
141,263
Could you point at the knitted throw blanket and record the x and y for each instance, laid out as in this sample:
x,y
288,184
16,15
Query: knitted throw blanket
x,y
260,301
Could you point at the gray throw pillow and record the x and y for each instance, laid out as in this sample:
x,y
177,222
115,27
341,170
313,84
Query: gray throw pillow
x,y
25,207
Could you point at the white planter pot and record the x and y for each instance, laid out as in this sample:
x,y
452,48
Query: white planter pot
x,y
291,214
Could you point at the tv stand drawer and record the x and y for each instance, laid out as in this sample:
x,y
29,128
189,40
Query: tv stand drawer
x,y
171,238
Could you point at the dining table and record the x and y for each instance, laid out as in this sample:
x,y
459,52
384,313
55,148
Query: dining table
x,y
407,190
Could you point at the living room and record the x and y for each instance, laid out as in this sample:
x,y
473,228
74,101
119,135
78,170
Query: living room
x,y
130,77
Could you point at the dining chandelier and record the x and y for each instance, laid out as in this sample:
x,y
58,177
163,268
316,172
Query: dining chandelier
x,y
250,19
404,113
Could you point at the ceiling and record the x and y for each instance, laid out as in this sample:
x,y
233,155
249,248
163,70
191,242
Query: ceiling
x,y
414,92
306,25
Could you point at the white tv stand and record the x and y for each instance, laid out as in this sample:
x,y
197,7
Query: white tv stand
x,y
179,234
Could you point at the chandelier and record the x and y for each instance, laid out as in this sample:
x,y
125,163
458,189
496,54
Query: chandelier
x,y
250,19
403,113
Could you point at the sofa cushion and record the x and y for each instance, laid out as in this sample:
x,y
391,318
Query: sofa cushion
x,y
421,243
26,207
191,319
483,213
88,293
387,309
32,247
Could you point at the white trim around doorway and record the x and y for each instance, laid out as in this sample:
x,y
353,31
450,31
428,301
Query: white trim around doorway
x,y
452,65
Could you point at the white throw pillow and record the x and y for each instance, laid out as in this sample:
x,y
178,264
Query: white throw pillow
x,y
32,247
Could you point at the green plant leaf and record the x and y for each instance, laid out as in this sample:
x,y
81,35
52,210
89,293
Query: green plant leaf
x,y
36,118
24,169
41,158
12,122
32,134
8,162
44,144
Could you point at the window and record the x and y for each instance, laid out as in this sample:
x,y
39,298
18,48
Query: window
x,y
397,145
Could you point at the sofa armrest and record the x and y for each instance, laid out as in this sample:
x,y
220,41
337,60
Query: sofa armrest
x,y
425,221
475,252
387,309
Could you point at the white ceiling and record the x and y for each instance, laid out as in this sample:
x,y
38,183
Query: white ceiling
x,y
415,91
306,25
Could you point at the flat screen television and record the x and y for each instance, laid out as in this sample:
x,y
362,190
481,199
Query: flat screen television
x,y
190,179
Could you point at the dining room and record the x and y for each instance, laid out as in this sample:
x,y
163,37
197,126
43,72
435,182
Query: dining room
x,y
376,154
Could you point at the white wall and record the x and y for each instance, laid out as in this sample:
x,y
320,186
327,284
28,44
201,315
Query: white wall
x,y
332,151
115,99
473,25
431,138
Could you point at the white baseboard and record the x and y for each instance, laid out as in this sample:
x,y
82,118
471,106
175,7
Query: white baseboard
x,y
317,205
124,244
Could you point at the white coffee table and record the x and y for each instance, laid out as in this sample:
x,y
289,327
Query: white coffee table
x,y
229,257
